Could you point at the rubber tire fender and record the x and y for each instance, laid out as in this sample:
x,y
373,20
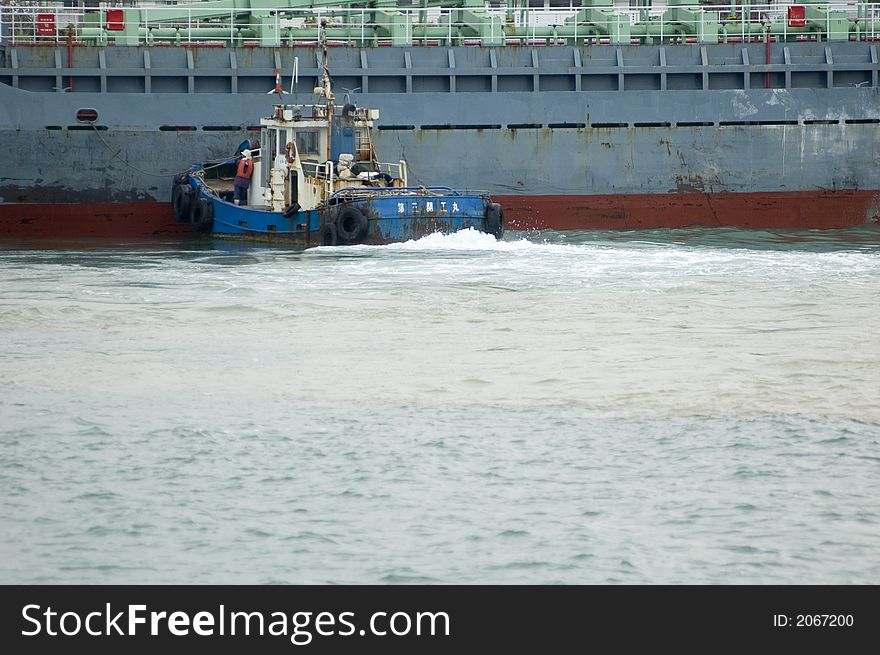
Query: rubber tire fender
x,y
181,201
292,211
351,225
201,217
495,220
328,235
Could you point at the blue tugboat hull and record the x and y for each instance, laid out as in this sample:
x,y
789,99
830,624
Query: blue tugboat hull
x,y
379,216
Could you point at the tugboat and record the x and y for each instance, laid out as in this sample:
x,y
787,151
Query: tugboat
x,y
314,179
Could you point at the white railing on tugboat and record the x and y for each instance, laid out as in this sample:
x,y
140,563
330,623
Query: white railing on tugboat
x,y
321,170
192,25
355,192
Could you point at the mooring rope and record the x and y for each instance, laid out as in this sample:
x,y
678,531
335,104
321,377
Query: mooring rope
x,y
141,171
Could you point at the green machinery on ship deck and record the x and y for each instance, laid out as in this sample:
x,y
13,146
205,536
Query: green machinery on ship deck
x,y
272,23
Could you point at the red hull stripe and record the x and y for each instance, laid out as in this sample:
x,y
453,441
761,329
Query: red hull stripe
x,y
112,219
795,210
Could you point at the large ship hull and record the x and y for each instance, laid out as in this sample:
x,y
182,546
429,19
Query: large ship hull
x,y
602,137
780,210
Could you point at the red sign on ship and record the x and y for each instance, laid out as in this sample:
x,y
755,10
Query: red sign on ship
x,y
115,19
797,16
46,24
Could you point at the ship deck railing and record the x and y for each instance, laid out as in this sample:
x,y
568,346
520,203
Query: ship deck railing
x,y
307,112
361,193
323,170
192,25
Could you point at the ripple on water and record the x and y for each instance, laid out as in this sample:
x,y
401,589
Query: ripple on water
x,y
684,406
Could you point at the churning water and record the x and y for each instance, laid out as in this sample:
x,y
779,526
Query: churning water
x,y
692,406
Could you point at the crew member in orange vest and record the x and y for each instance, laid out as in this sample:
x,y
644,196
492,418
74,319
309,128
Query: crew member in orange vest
x,y
243,178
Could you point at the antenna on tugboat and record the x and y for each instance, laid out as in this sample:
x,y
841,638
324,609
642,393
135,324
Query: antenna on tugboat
x,y
346,97
277,88
295,77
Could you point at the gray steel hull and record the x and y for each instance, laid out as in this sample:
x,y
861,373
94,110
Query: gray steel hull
x,y
532,129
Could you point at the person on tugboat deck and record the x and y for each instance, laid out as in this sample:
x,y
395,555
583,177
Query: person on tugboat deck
x,y
243,178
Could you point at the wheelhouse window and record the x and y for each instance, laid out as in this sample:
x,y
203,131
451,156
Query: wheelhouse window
x,y
307,142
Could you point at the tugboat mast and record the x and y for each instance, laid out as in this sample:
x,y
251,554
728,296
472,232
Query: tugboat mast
x,y
326,90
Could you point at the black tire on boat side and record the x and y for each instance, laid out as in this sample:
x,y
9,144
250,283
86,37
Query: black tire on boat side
x,y
328,235
495,220
181,202
201,217
351,225
292,211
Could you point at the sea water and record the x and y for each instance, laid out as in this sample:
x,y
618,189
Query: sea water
x,y
688,406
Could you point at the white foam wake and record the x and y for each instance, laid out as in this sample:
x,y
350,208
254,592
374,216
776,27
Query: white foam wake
x,y
469,239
